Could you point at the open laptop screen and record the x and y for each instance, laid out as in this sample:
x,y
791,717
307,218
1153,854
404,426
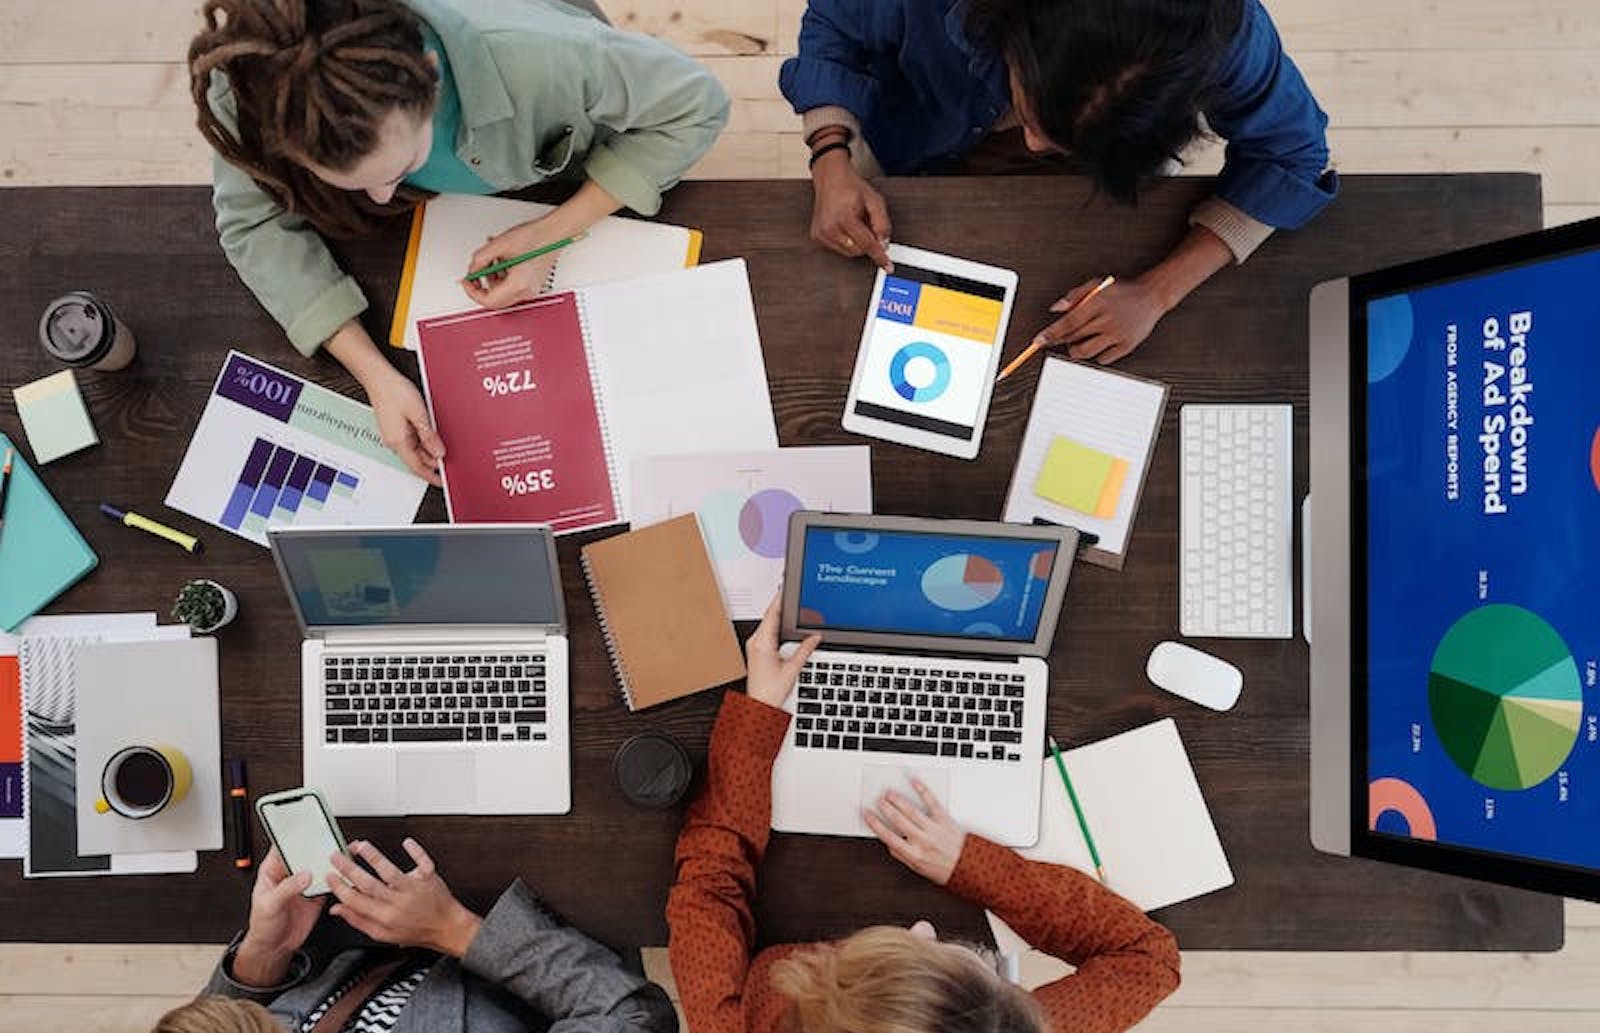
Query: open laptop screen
x,y
942,584
1479,476
413,576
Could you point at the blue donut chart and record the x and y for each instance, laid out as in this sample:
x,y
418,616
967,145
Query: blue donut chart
x,y
927,392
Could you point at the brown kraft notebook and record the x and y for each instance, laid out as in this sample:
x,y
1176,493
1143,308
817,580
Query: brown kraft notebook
x,y
661,612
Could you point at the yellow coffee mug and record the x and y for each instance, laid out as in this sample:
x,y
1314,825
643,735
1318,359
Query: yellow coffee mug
x,y
141,781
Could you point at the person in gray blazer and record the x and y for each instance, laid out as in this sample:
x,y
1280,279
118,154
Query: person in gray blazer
x,y
433,964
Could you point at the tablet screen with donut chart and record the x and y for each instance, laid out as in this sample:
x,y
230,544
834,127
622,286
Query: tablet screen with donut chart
x,y
929,352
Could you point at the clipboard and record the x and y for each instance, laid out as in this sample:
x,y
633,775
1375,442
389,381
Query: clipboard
x,y
1102,410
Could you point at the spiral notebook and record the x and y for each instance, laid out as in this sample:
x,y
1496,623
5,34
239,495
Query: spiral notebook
x,y
449,228
662,615
545,404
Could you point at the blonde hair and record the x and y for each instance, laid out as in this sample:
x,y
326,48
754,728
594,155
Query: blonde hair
x,y
218,1015
888,980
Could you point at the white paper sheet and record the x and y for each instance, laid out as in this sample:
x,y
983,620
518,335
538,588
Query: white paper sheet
x,y
680,366
1115,414
273,450
1147,815
153,693
744,500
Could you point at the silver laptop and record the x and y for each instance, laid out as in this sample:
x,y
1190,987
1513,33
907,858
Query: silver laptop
x,y
934,633
434,669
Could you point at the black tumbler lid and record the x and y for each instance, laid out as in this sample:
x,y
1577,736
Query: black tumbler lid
x,y
653,770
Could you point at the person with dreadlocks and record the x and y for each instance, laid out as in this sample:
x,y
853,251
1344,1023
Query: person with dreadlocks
x,y
328,116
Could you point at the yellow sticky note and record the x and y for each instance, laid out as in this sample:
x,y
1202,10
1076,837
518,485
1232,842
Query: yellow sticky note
x,y
54,416
1074,475
1107,506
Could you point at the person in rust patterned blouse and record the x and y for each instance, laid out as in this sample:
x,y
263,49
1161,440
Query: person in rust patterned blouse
x,y
884,978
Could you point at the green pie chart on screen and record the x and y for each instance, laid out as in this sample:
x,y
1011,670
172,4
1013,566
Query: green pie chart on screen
x,y
1505,697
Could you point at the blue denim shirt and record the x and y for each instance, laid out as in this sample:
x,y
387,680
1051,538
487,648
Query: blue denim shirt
x,y
925,95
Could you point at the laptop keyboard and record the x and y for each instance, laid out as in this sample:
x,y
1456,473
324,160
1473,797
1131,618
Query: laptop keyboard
x,y
918,708
456,697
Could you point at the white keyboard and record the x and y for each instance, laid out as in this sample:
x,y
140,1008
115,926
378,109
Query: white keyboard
x,y
1236,474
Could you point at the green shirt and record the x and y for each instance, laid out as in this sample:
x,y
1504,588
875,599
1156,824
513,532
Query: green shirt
x,y
545,90
444,172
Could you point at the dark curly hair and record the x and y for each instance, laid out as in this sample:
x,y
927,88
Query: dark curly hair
x,y
1119,84
313,81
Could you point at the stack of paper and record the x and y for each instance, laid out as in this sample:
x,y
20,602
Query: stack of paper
x,y
46,651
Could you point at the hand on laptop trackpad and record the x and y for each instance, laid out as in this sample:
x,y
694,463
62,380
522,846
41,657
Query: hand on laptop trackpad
x,y
877,779
435,782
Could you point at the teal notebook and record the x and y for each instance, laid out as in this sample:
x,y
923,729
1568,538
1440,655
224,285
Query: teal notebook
x,y
41,553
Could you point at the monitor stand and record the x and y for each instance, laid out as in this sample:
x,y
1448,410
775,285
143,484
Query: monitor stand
x,y
1305,568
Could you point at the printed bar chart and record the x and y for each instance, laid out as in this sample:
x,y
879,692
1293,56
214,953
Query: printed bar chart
x,y
277,484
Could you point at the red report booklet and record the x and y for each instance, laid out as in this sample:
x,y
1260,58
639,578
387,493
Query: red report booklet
x,y
512,395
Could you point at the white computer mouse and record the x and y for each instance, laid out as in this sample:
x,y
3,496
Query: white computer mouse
x,y
1198,677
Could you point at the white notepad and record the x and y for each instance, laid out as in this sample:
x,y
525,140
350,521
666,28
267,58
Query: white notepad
x,y
1148,817
450,227
1114,413
678,358
150,693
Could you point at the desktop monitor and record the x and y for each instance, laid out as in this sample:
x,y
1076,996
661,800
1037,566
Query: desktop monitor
x,y
1454,563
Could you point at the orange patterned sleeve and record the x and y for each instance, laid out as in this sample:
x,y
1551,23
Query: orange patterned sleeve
x,y
1126,963
712,928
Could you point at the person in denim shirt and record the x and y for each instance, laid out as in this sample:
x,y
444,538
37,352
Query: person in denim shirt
x,y
1122,86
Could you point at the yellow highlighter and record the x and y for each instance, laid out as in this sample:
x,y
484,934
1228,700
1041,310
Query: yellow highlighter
x,y
186,542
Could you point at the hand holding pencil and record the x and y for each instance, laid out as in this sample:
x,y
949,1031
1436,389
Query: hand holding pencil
x,y
1103,320
1045,338
514,266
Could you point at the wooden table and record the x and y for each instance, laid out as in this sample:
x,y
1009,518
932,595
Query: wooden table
x,y
153,254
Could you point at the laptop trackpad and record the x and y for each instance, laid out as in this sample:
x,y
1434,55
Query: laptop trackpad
x,y
435,782
876,779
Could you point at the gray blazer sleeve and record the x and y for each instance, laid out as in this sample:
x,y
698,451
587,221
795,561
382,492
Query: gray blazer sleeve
x,y
223,984
579,984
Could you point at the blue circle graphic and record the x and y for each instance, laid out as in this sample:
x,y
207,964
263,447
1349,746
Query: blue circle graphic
x,y
856,543
1390,325
903,359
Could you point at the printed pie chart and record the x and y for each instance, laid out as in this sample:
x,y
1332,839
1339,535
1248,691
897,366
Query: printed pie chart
x,y
962,582
1505,696
764,521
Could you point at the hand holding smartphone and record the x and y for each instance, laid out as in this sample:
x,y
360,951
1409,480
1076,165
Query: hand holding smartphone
x,y
303,830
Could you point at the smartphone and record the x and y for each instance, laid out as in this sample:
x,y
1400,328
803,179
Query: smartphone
x,y
303,830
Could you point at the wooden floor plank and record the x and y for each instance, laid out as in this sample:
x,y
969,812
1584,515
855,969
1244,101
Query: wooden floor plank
x,y
104,969
29,1013
1456,88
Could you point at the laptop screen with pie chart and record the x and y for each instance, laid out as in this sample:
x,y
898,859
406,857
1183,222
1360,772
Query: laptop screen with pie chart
x,y
978,587
1474,560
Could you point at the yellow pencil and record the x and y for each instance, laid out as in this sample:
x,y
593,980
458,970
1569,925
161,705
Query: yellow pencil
x,y
1040,342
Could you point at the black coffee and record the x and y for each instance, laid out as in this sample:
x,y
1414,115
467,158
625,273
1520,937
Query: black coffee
x,y
142,780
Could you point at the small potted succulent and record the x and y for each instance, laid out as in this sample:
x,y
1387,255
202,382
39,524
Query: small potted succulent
x,y
205,605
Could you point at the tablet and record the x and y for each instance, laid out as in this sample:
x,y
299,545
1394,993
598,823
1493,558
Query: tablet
x,y
929,352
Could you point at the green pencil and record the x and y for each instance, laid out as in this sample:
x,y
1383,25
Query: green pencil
x,y
506,263
1055,751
